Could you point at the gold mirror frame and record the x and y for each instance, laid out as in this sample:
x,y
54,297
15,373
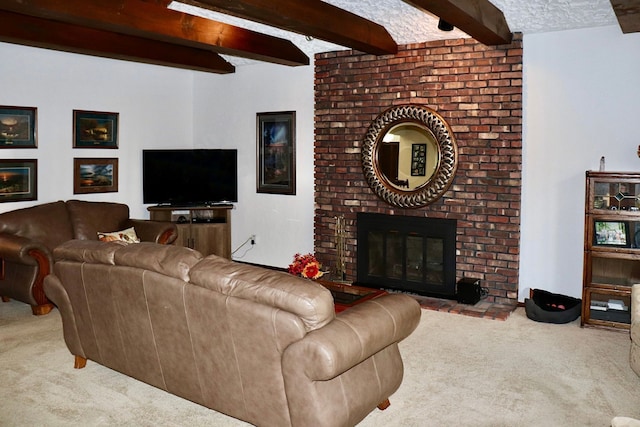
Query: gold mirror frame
x,y
437,183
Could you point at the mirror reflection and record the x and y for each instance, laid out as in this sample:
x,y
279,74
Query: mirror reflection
x,y
408,156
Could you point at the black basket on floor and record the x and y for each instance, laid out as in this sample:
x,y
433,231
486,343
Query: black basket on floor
x,y
547,307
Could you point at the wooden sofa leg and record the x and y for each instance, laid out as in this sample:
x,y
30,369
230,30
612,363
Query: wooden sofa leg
x,y
39,310
384,405
80,362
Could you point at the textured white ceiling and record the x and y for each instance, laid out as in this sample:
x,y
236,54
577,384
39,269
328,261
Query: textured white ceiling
x,y
407,24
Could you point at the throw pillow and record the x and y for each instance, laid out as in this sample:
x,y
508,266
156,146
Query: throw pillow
x,y
126,236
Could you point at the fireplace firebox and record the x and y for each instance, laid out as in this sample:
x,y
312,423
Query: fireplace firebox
x,y
409,254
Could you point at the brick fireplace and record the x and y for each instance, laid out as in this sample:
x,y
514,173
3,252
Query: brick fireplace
x,y
407,253
477,89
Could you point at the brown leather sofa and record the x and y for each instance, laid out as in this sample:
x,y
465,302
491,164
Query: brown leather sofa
x,y
259,345
28,237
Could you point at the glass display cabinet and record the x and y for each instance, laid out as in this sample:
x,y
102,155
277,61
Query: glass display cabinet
x,y
611,248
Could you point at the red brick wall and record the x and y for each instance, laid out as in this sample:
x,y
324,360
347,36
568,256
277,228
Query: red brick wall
x,y
477,89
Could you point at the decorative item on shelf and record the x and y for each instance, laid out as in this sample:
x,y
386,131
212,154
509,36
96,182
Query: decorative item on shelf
x,y
306,266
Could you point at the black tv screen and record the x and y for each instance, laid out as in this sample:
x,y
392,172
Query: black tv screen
x,y
190,176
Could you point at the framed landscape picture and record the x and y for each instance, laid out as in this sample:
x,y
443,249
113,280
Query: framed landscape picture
x,y
18,127
18,180
276,169
94,129
95,175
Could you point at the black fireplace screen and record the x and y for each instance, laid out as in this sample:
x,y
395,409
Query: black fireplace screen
x,y
409,254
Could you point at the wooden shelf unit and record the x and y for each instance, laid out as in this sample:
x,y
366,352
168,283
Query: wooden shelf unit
x,y
206,229
611,248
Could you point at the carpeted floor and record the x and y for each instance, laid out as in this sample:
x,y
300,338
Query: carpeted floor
x,y
459,371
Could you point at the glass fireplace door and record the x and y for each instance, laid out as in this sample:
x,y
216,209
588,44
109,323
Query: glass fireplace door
x,y
405,253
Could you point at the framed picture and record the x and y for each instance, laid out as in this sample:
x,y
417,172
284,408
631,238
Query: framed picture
x,y
276,169
418,159
612,233
95,175
17,127
93,129
18,180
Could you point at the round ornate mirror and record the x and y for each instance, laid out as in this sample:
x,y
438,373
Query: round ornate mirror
x,y
409,156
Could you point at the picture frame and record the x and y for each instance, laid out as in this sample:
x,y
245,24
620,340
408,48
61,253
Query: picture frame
x,y
92,175
418,159
611,233
276,148
18,180
18,126
95,129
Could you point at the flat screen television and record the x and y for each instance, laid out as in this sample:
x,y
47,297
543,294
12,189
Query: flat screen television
x,y
190,177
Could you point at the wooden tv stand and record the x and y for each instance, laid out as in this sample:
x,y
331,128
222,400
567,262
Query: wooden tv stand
x,y
206,229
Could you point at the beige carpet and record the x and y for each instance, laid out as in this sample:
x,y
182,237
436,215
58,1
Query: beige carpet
x,y
459,371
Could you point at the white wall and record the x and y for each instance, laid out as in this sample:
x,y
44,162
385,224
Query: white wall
x,y
582,101
225,109
161,107
155,105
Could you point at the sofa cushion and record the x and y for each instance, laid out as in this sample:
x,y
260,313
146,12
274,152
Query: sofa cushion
x,y
87,251
308,300
87,218
174,261
47,223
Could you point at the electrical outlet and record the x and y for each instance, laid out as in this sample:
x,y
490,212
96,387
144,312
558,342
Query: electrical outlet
x,y
253,239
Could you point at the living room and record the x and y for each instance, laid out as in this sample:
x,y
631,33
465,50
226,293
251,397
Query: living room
x,y
580,97
577,107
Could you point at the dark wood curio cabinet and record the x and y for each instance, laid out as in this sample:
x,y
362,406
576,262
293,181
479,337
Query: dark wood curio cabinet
x,y
611,248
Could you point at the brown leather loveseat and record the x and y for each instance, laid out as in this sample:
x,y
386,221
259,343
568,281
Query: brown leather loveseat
x,y
28,237
259,345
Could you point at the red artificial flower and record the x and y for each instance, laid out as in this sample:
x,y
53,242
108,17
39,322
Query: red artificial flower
x,y
312,270
305,266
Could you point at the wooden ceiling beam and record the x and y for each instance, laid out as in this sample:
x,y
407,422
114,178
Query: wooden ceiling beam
x,y
312,18
628,15
151,20
38,32
478,18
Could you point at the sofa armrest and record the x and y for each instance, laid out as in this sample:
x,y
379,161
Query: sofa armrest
x,y
56,292
634,351
21,250
635,303
27,287
354,335
162,232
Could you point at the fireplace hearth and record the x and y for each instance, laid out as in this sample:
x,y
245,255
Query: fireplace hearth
x,y
408,254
